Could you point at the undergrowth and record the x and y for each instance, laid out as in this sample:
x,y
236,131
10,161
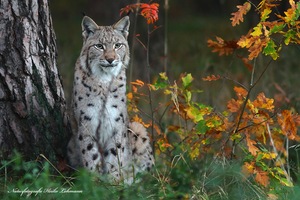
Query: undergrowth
x,y
208,178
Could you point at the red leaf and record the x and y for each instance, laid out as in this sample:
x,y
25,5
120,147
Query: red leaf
x,y
150,12
211,78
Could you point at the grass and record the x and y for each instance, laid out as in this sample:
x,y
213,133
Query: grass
x,y
180,179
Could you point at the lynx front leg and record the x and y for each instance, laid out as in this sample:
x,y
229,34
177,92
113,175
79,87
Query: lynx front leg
x,y
89,152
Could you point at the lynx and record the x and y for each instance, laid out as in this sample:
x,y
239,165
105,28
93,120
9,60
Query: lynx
x,y
104,140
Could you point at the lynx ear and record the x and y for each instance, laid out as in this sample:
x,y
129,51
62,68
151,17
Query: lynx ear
x,y
88,27
123,26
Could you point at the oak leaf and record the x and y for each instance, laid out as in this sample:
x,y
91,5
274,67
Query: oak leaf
x,y
286,121
240,92
263,102
233,105
211,78
222,46
257,47
262,177
251,146
239,15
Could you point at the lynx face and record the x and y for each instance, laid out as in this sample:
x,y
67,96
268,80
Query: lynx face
x,y
106,46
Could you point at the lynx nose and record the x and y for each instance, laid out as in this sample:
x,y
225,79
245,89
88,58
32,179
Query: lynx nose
x,y
110,60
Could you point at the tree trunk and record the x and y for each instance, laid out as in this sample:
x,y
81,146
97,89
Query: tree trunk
x,y
32,105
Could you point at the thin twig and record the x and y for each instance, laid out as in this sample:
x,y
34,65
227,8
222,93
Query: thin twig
x,y
149,82
287,176
252,85
132,45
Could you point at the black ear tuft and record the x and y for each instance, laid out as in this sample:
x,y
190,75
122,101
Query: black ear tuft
x,y
88,27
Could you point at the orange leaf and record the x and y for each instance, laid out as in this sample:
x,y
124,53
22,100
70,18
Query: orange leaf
x,y
251,146
262,178
138,82
239,15
263,102
129,96
248,168
222,46
157,129
211,78
240,92
287,123
233,105
256,47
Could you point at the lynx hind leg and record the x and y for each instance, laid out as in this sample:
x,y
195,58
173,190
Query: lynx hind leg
x,y
73,154
141,148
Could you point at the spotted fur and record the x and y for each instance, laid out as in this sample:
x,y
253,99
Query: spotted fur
x,y
104,140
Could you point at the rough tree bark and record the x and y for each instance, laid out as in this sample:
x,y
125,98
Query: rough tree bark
x,y
32,104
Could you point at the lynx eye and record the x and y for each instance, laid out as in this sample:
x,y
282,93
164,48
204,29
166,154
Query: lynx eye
x,y
99,46
118,45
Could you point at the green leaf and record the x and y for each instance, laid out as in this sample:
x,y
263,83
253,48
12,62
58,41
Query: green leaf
x,y
188,96
161,82
297,12
270,50
187,80
201,127
277,28
291,34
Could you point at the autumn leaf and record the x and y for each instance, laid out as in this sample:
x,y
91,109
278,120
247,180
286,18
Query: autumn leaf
x,y
233,105
245,41
136,118
239,15
265,14
129,8
130,96
222,46
240,92
157,129
194,113
257,30
211,78
248,168
251,146
138,83
262,178
263,102
150,12
257,47
286,121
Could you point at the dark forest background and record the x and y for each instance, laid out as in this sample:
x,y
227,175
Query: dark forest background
x,y
186,25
